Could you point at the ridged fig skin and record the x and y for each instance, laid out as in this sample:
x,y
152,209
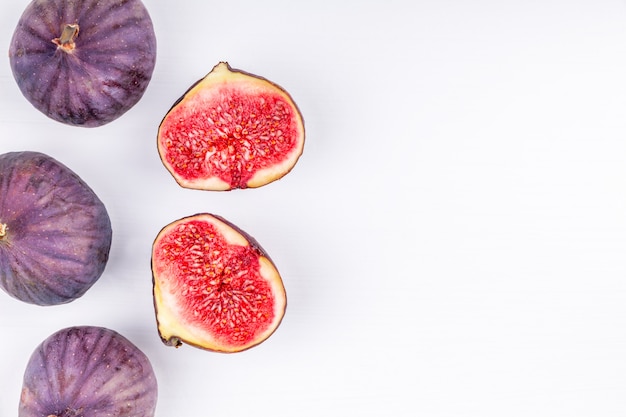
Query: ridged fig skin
x,y
102,77
55,233
88,371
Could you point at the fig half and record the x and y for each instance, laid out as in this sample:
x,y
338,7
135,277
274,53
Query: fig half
x,y
214,286
231,130
83,63
55,233
86,371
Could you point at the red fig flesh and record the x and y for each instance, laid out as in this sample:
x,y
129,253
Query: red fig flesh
x,y
214,286
231,130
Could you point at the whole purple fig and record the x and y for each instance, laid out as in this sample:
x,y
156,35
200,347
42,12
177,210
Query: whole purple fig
x,y
83,62
88,371
55,233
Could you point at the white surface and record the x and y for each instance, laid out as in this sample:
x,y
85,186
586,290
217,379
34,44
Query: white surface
x,y
453,240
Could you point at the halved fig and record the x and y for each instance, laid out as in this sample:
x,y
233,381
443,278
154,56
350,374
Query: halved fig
x,y
85,371
83,63
231,130
55,233
214,286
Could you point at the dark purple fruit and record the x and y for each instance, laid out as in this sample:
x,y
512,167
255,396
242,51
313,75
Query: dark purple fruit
x,y
55,233
88,372
214,286
231,130
83,62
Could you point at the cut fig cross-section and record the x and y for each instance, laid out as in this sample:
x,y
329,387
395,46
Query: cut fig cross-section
x,y
214,286
231,129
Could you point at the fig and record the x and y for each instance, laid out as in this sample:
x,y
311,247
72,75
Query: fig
x,y
231,129
85,371
83,63
55,233
214,286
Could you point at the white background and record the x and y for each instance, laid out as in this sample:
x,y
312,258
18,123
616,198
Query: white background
x,y
452,241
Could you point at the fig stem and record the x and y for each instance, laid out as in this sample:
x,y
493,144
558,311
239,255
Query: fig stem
x,y
3,230
66,40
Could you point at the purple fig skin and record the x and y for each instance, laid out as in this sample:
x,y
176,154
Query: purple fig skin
x,y
99,73
88,371
55,233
